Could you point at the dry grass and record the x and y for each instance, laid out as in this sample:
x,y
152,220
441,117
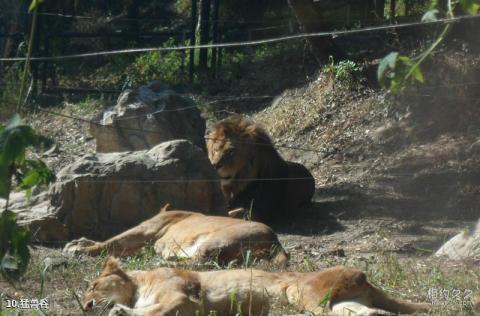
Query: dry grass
x,y
411,278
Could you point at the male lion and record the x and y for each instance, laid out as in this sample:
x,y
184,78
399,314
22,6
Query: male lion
x,y
252,172
167,291
190,235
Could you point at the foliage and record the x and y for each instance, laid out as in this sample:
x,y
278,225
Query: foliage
x,y
396,71
34,5
15,138
325,301
9,90
156,65
472,7
14,252
88,105
345,71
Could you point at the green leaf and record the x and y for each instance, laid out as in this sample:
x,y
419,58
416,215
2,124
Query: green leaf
x,y
387,64
34,4
430,16
433,4
4,181
36,173
15,138
472,7
14,251
396,71
417,74
14,121
9,263
326,298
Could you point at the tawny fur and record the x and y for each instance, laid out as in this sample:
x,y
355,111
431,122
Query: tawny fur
x,y
476,303
166,291
190,235
253,174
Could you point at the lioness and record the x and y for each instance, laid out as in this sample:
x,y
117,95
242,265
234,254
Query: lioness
x,y
190,235
167,291
253,174
476,303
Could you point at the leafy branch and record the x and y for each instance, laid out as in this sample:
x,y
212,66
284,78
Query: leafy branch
x,y
396,71
15,139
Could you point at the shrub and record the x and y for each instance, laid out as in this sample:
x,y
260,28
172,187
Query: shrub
x,y
15,138
345,71
9,87
157,65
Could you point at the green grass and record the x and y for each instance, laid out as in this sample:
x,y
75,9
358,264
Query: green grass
x,y
410,278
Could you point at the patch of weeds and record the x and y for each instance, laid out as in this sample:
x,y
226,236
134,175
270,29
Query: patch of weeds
x,y
89,105
345,72
142,261
308,265
391,272
165,66
9,90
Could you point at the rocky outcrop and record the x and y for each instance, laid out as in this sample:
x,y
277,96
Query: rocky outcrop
x,y
148,116
465,245
101,195
35,213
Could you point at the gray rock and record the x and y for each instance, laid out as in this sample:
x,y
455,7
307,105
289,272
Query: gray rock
x,y
465,245
101,195
148,116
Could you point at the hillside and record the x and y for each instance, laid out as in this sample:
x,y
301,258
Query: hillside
x,y
409,155
396,176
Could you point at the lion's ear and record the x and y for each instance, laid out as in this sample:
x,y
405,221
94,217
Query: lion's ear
x,y
111,266
165,208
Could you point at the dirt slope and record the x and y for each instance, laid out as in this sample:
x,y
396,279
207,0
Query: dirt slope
x,y
410,155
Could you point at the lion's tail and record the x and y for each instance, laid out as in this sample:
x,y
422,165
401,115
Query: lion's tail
x,y
384,301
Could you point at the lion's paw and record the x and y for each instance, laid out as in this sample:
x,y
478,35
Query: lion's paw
x,y
119,310
76,246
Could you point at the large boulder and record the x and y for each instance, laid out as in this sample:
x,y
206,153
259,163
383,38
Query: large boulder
x,y
35,213
101,195
148,116
465,245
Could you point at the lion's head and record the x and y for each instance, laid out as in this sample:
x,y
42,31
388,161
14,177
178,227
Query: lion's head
x,y
238,149
112,286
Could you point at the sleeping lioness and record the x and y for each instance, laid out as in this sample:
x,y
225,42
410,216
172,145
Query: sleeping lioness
x,y
167,291
190,235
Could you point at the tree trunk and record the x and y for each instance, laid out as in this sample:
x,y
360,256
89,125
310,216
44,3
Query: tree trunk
x,y
216,16
408,7
379,9
393,9
204,23
132,14
16,23
310,21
